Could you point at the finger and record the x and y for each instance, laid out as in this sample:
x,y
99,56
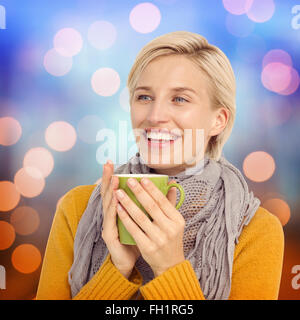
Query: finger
x,y
162,201
114,184
171,195
107,172
136,213
150,205
109,221
138,235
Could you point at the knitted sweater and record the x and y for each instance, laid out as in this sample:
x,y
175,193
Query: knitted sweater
x,y
256,270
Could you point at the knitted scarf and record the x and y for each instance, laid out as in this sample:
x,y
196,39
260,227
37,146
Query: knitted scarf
x,y
217,206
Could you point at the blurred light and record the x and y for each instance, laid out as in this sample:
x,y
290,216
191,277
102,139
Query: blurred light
x,y
25,220
145,17
293,85
68,42
41,159
261,10
237,6
29,182
279,208
124,99
239,26
105,81
102,34
88,127
26,258
259,166
277,55
10,131
276,76
60,136
56,64
7,235
9,196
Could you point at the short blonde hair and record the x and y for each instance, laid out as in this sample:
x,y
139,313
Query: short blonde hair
x,y
211,60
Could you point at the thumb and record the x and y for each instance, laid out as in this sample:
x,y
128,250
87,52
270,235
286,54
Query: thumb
x,y
171,196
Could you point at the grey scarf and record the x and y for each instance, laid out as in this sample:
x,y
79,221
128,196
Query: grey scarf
x,y
217,206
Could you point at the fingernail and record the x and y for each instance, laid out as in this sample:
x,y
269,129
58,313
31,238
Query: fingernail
x,y
132,182
109,161
145,181
120,194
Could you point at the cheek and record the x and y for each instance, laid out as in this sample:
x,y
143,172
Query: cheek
x,y
137,116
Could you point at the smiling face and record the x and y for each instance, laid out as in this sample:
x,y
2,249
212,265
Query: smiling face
x,y
172,93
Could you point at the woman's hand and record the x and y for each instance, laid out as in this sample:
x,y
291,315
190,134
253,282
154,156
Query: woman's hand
x,y
122,256
161,243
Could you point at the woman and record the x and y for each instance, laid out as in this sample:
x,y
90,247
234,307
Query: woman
x,y
220,244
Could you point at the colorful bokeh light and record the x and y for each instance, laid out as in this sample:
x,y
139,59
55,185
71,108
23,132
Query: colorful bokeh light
x,y
280,208
237,6
259,166
7,235
60,136
276,76
105,81
9,196
10,131
29,182
145,17
20,255
41,159
261,10
25,220
68,42
56,64
277,55
102,34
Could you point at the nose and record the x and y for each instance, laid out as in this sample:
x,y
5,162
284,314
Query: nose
x,y
158,113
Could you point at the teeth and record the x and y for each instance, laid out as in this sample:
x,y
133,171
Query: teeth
x,y
160,136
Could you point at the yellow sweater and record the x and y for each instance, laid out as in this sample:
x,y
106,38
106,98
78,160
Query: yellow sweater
x,y
256,272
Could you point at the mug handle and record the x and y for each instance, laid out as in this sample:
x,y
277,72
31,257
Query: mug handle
x,y
182,195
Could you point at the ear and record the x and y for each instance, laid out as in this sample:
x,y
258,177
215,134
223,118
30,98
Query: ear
x,y
220,121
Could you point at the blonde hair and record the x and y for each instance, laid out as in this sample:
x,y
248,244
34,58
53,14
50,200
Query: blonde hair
x,y
211,60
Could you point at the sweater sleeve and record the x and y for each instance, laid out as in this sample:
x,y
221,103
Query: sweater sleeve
x,y
258,260
107,284
256,268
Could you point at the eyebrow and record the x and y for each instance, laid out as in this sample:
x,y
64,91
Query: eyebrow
x,y
176,89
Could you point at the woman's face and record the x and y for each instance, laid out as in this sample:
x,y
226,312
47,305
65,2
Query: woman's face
x,y
173,94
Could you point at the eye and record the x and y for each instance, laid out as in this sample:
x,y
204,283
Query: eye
x,y
181,99
142,97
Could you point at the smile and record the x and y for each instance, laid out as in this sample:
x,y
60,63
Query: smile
x,y
159,143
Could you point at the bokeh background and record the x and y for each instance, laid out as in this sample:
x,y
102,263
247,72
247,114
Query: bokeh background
x,y
63,71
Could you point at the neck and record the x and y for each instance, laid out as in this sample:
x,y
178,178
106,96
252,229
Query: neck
x,y
194,168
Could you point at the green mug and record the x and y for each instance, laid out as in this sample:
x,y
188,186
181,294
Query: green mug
x,y
160,181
